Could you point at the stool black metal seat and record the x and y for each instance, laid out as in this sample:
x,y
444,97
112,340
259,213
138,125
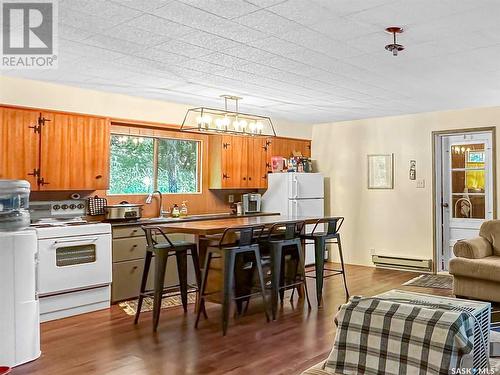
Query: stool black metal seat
x,y
235,242
283,239
161,251
328,234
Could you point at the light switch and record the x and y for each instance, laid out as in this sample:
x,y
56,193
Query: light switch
x,y
420,183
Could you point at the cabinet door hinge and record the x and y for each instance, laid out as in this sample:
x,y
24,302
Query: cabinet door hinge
x,y
35,173
40,123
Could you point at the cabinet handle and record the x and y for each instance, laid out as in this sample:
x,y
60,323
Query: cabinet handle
x,y
226,145
134,268
264,177
225,176
98,176
244,178
249,178
134,246
268,165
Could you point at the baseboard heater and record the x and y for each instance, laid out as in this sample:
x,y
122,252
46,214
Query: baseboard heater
x,y
413,264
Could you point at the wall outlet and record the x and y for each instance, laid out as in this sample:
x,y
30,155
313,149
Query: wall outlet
x,y
230,198
420,183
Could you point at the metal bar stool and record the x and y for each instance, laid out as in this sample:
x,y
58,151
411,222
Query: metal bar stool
x,y
234,242
161,252
321,237
283,239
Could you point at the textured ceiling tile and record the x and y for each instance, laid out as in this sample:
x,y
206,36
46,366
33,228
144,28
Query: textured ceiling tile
x,y
69,32
224,8
184,49
224,60
250,53
85,21
264,3
159,25
136,35
303,12
114,44
267,22
146,5
276,46
209,41
102,8
344,7
165,57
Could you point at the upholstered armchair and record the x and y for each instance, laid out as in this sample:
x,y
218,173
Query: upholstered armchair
x,y
476,268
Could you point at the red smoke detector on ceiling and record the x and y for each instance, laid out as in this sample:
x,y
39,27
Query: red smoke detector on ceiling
x,y
394,47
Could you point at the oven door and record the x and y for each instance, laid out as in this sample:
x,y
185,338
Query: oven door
x,y
73,263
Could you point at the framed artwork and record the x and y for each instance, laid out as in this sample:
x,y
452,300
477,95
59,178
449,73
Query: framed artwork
x,y
381,171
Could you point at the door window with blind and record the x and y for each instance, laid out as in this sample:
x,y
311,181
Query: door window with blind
x,y
468,181
141,164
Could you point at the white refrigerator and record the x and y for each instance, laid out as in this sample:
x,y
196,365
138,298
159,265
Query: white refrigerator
x,y
296,195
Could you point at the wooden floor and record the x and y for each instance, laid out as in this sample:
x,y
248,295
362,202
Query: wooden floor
x,y
107,342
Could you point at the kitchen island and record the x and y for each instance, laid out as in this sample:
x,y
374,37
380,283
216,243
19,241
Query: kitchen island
x,y
129,248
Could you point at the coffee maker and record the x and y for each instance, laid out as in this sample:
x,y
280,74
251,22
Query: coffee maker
x,y
251,203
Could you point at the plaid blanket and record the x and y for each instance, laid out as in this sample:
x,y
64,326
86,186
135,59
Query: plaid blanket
x,y
377,336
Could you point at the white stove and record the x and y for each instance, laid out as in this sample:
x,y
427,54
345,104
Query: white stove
x,y
74,262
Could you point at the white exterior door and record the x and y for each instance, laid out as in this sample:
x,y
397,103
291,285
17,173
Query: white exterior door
x,y
466,189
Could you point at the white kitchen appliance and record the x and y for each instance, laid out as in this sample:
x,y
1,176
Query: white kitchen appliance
x,y
74,260
19,308
296,195
481,312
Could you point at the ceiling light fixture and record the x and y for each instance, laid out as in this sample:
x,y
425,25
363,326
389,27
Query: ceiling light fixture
x,y
394,47
211,120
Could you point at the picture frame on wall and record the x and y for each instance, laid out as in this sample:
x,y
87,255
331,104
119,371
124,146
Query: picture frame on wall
x,y
381,171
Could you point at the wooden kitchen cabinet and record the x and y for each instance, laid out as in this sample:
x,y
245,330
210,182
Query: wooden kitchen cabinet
x,y
74,152
237,162
257,166
53,150
286,146
18,145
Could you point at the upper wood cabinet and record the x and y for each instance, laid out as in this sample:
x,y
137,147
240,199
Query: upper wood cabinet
x,y
54,151
286,146
74,152
18,145
237,162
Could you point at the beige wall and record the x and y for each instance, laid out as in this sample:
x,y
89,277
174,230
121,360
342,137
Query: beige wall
x,y
46,95
395,221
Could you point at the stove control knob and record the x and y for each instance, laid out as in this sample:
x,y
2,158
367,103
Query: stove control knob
x,y
81,206
64,206
72,206
56,207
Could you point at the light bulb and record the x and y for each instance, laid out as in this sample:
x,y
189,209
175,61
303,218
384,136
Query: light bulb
x,y
252,127
259,126
236,125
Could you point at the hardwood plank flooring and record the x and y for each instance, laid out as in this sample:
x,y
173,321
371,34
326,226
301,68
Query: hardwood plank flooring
x,y
107,342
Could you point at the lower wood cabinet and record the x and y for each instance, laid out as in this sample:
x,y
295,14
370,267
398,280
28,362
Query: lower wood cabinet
x,y
129,249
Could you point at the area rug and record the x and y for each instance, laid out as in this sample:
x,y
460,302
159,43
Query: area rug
x,y
130,307
432,281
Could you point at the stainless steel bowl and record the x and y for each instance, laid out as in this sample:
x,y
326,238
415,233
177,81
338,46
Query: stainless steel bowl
x,y
123,211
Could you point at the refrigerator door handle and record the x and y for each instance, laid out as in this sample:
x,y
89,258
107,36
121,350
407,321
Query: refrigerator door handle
x,y
296,205
296,182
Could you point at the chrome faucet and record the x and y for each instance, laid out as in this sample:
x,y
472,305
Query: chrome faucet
x,y
149,199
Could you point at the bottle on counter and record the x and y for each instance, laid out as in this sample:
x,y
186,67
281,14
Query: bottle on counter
x,y
175,211
184,209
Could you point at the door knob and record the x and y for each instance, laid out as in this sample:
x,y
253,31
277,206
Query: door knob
x,y
445,205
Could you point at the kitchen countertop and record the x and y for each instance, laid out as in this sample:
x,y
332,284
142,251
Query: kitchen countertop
x,y
163,220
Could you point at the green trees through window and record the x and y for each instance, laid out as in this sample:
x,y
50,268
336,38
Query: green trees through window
x,y
136,170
